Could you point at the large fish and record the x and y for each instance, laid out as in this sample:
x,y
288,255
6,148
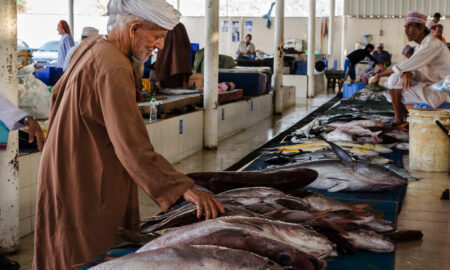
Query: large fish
x,y
369,240
190,258
283,179
349,175
295,235
199,234
189,216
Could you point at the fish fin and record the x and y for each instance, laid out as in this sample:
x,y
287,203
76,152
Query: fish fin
x,y
338,187
402,127
345,158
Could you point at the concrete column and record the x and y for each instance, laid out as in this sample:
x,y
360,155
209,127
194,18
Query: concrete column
x,y
311,46
178,5
9,165
72,29
211,75
278,56
331,33
343,52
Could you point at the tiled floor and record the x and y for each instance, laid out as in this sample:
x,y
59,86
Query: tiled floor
x,y
422,208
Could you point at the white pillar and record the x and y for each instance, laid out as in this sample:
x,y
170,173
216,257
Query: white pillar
x,y
72,29
211,75
278,56
178,5
343,52
9,166
311,46
331,32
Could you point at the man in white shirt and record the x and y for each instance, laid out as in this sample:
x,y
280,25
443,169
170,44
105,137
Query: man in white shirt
x,y
434,21
246,49
14,118
429,64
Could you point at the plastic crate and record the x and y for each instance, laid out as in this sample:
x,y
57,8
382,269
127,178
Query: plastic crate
x,y
195,47
351,88
49,75
445,106
301,67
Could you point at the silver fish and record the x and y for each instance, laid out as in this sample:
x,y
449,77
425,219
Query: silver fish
x,y
351,175
369,240
380,225
191,258
337,135
202,234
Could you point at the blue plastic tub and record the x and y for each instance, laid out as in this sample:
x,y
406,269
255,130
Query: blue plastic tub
x,y
49,75
351,88
446,106
301,67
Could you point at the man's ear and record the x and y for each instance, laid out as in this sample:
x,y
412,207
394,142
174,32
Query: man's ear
x,y
135,26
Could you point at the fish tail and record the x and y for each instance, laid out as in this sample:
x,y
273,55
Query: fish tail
x,y
402,126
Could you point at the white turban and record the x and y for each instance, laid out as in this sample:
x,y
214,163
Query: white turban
x,y
156,11
89,31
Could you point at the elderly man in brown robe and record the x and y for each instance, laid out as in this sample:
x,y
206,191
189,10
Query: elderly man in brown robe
x,y
98,148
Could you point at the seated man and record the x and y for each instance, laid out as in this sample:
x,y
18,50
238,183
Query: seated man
x,y
429,64
384,61
438,32
246,49
354,58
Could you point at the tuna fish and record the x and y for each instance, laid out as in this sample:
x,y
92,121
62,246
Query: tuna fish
x,y
191,258
349,175
337,135
199,234
283,179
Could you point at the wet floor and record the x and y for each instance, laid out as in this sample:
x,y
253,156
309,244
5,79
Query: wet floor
x,y
422,208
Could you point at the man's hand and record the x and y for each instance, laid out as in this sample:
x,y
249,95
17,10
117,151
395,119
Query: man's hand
x,y
407,80
205,202
35,131
376,78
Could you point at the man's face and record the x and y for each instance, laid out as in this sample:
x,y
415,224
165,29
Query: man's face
x,y
380,49
370,50
145,39
438,31
436,19
412,31
248,39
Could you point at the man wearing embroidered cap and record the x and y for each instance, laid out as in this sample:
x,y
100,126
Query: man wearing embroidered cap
x,y
98,147
429,64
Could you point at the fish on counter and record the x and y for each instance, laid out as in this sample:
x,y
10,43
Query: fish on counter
x,y
367,123
319,145
400,135
191,258
360,131
337,135
283,179
235,238
369,240
349,175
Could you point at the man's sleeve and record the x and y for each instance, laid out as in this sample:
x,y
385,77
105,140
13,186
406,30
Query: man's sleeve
x,y
252,47
10,115
129,137
420,58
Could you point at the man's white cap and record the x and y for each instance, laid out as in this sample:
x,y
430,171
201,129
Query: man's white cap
x,y
89,31
156,11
